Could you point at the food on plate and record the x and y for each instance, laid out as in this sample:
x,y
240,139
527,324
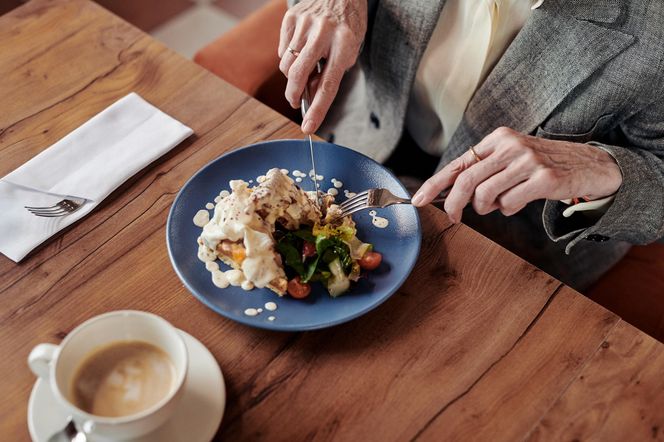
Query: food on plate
x,y
274,235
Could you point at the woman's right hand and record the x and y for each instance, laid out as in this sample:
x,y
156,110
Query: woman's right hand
x,y
330,29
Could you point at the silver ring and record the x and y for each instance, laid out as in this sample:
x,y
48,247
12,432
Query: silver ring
x,y
293,51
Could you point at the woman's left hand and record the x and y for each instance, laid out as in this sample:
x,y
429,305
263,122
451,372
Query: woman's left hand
x,y
516,169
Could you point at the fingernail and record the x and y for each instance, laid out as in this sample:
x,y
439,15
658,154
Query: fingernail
x,y
417,199
308,126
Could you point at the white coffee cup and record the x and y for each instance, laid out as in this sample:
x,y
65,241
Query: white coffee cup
x,y
57,365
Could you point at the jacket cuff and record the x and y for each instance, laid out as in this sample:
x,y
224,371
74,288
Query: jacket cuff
x,y
636,214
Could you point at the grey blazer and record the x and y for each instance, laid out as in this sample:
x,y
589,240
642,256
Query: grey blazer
x,y
588,71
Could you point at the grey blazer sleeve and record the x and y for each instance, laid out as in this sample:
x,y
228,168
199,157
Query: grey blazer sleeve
x,y
637,213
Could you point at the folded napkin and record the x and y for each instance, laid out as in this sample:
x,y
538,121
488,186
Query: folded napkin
x,y
85,166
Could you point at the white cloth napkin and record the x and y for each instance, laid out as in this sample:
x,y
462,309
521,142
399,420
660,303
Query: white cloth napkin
x,y
86,166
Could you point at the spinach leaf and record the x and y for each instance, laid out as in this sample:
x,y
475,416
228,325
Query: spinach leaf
x,y
305,235
291,255
310,270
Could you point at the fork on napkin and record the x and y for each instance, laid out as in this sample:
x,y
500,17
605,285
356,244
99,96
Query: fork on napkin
x,y
86,165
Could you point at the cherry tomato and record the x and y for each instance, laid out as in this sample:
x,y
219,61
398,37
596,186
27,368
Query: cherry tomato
x,y
298,289
308,249
371,260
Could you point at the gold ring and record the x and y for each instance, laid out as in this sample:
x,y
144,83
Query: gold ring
x,y
472,151
293,51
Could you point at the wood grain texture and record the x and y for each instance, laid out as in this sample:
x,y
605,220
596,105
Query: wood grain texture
x,y
477,344
618,396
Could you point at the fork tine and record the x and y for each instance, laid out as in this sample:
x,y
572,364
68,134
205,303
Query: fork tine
x,y
356,209
52,215
49,212
359,196
46,209
55,206
354,205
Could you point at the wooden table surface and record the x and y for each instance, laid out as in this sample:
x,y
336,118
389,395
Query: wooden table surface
x,y
477,345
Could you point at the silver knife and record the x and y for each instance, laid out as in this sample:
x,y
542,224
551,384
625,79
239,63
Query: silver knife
x,y
305,107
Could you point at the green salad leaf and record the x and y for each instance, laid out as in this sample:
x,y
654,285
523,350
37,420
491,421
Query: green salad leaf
x,y
335,263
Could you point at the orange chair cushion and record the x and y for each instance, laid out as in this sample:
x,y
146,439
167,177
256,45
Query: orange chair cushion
x,y
246,56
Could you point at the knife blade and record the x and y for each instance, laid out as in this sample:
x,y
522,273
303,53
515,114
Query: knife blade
x,y
304,106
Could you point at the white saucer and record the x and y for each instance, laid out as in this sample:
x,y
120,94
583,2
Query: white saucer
x,y
196,418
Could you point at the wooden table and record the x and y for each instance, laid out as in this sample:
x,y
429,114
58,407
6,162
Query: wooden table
x,y
477,345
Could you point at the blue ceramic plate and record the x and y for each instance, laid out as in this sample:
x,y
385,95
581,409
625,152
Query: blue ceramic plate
x,y
399,242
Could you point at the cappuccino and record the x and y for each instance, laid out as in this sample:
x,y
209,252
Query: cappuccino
x,y
122,378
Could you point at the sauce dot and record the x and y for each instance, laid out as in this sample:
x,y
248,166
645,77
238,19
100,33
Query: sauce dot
x,y
211,266
219,279
251,312
209,206
271,318
201,218
271,306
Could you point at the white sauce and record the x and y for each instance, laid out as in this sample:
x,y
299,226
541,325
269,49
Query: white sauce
x,y
219,278
298,180
271,318
348,194
212,266
217,199
297,173
261,179
284,171
247,217
201,218
336,183
378,221
235,277
318,177
251,312
271,306
260,310
209,206
332,191
224,193
206,254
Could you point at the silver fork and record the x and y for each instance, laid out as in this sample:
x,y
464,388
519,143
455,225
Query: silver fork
x,y
62,208
376,198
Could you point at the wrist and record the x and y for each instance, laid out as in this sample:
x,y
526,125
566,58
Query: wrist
x,y
608,179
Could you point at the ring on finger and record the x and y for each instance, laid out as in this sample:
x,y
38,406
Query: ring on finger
x,y
293,51
472,151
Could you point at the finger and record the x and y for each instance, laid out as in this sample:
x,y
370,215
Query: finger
x,y
297,43
286,32
444,178
520,195
485,198
465,184
326,88
303,67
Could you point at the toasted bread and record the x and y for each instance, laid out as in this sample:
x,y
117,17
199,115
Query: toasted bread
x,y
277,285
